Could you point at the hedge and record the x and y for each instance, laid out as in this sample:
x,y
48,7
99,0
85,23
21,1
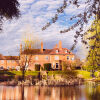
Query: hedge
x,y
47,66
37,67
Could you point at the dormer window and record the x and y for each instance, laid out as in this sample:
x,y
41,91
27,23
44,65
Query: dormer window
x,y
66,51
56,51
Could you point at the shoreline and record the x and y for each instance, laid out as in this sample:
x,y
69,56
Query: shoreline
x,y
65,82
46,85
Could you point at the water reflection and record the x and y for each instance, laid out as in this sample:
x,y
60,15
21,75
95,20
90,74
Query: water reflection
x,y
93,91
85,92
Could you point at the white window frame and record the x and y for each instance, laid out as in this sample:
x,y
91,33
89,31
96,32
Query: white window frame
x,y
12,61
66,51
8,67
36,58
8,61
68,58
12,67
72,58
17,68
46,57
2,61
56,57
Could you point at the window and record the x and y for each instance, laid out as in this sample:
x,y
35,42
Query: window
x,y
12,61
1,68
66,51
72,58
17,68
57,65
56,57
46,57
67,57
8,61
12,67
2,61
56,51
8,68
36,57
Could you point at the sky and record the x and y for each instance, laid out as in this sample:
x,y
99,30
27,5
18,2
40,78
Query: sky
x,y
34,15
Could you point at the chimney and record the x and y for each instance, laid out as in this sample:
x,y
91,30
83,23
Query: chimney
x,y
41,46
56,46
60,45
30,45
20,48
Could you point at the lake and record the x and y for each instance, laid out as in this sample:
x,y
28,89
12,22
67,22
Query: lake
x,y
89,91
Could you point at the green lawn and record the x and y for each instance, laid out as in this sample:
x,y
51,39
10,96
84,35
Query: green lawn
x,y
19,73
84,74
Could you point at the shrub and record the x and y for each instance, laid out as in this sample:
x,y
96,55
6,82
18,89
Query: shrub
x,y
69,74
37,67
65,66
29,69
47,66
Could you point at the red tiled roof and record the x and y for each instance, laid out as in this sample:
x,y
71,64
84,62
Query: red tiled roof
x,y
61,51
9,57
47,51
31,51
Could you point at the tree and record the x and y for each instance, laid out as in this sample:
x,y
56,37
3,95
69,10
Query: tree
x,y
27,49
25,59
93,58
66,66
8,10
76,64
91,9
37,67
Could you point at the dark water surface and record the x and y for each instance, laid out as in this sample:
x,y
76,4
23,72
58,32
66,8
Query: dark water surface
x,y
89,91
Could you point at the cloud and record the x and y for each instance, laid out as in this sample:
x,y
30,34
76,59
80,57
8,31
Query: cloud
x,y
35,14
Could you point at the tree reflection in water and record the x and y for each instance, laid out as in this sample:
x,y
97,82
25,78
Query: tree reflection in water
x,y
22,91
88,92
93,91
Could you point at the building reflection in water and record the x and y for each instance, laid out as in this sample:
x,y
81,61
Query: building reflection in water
x,y
43,93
